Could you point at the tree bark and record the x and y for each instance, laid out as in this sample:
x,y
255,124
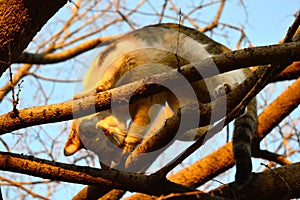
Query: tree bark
x,y
102,101
279,183
20,21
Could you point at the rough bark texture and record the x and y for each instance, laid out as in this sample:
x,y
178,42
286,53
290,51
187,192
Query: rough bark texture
x,y
20,20
280,108
290,73
86,175
85,106
279,183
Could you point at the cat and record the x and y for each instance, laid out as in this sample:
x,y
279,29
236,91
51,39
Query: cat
x,y
152,50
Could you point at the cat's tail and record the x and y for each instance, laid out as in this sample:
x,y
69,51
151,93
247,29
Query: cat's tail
x,y
244,128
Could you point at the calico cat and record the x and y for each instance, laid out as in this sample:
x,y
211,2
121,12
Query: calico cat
x,y
151,50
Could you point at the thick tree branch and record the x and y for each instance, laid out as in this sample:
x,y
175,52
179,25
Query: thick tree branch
x,y
19,23
86,175
279,183
278,178
93,192
64,111
279,109
290,73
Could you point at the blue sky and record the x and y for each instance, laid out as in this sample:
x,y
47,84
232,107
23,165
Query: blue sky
x,y
270,19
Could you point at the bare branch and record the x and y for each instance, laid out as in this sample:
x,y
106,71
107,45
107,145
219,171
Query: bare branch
x,y
267,185
50,58
215,22
86,106
20,185
264,154
290,73
279,108
23,71
86,175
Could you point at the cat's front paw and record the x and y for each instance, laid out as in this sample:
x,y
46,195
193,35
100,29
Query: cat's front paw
x,y
222,89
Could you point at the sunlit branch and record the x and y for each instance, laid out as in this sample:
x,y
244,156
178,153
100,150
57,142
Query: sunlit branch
x,y
226,62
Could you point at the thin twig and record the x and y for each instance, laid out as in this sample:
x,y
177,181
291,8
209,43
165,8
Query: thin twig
x,y
19,185
178,41
215,22
162,11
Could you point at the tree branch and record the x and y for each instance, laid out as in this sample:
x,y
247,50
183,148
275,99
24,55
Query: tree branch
x,y
279,183
140,183
217,17
19,23
229,61
264,154
86,175
290,73
18,75
50,58
279,109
